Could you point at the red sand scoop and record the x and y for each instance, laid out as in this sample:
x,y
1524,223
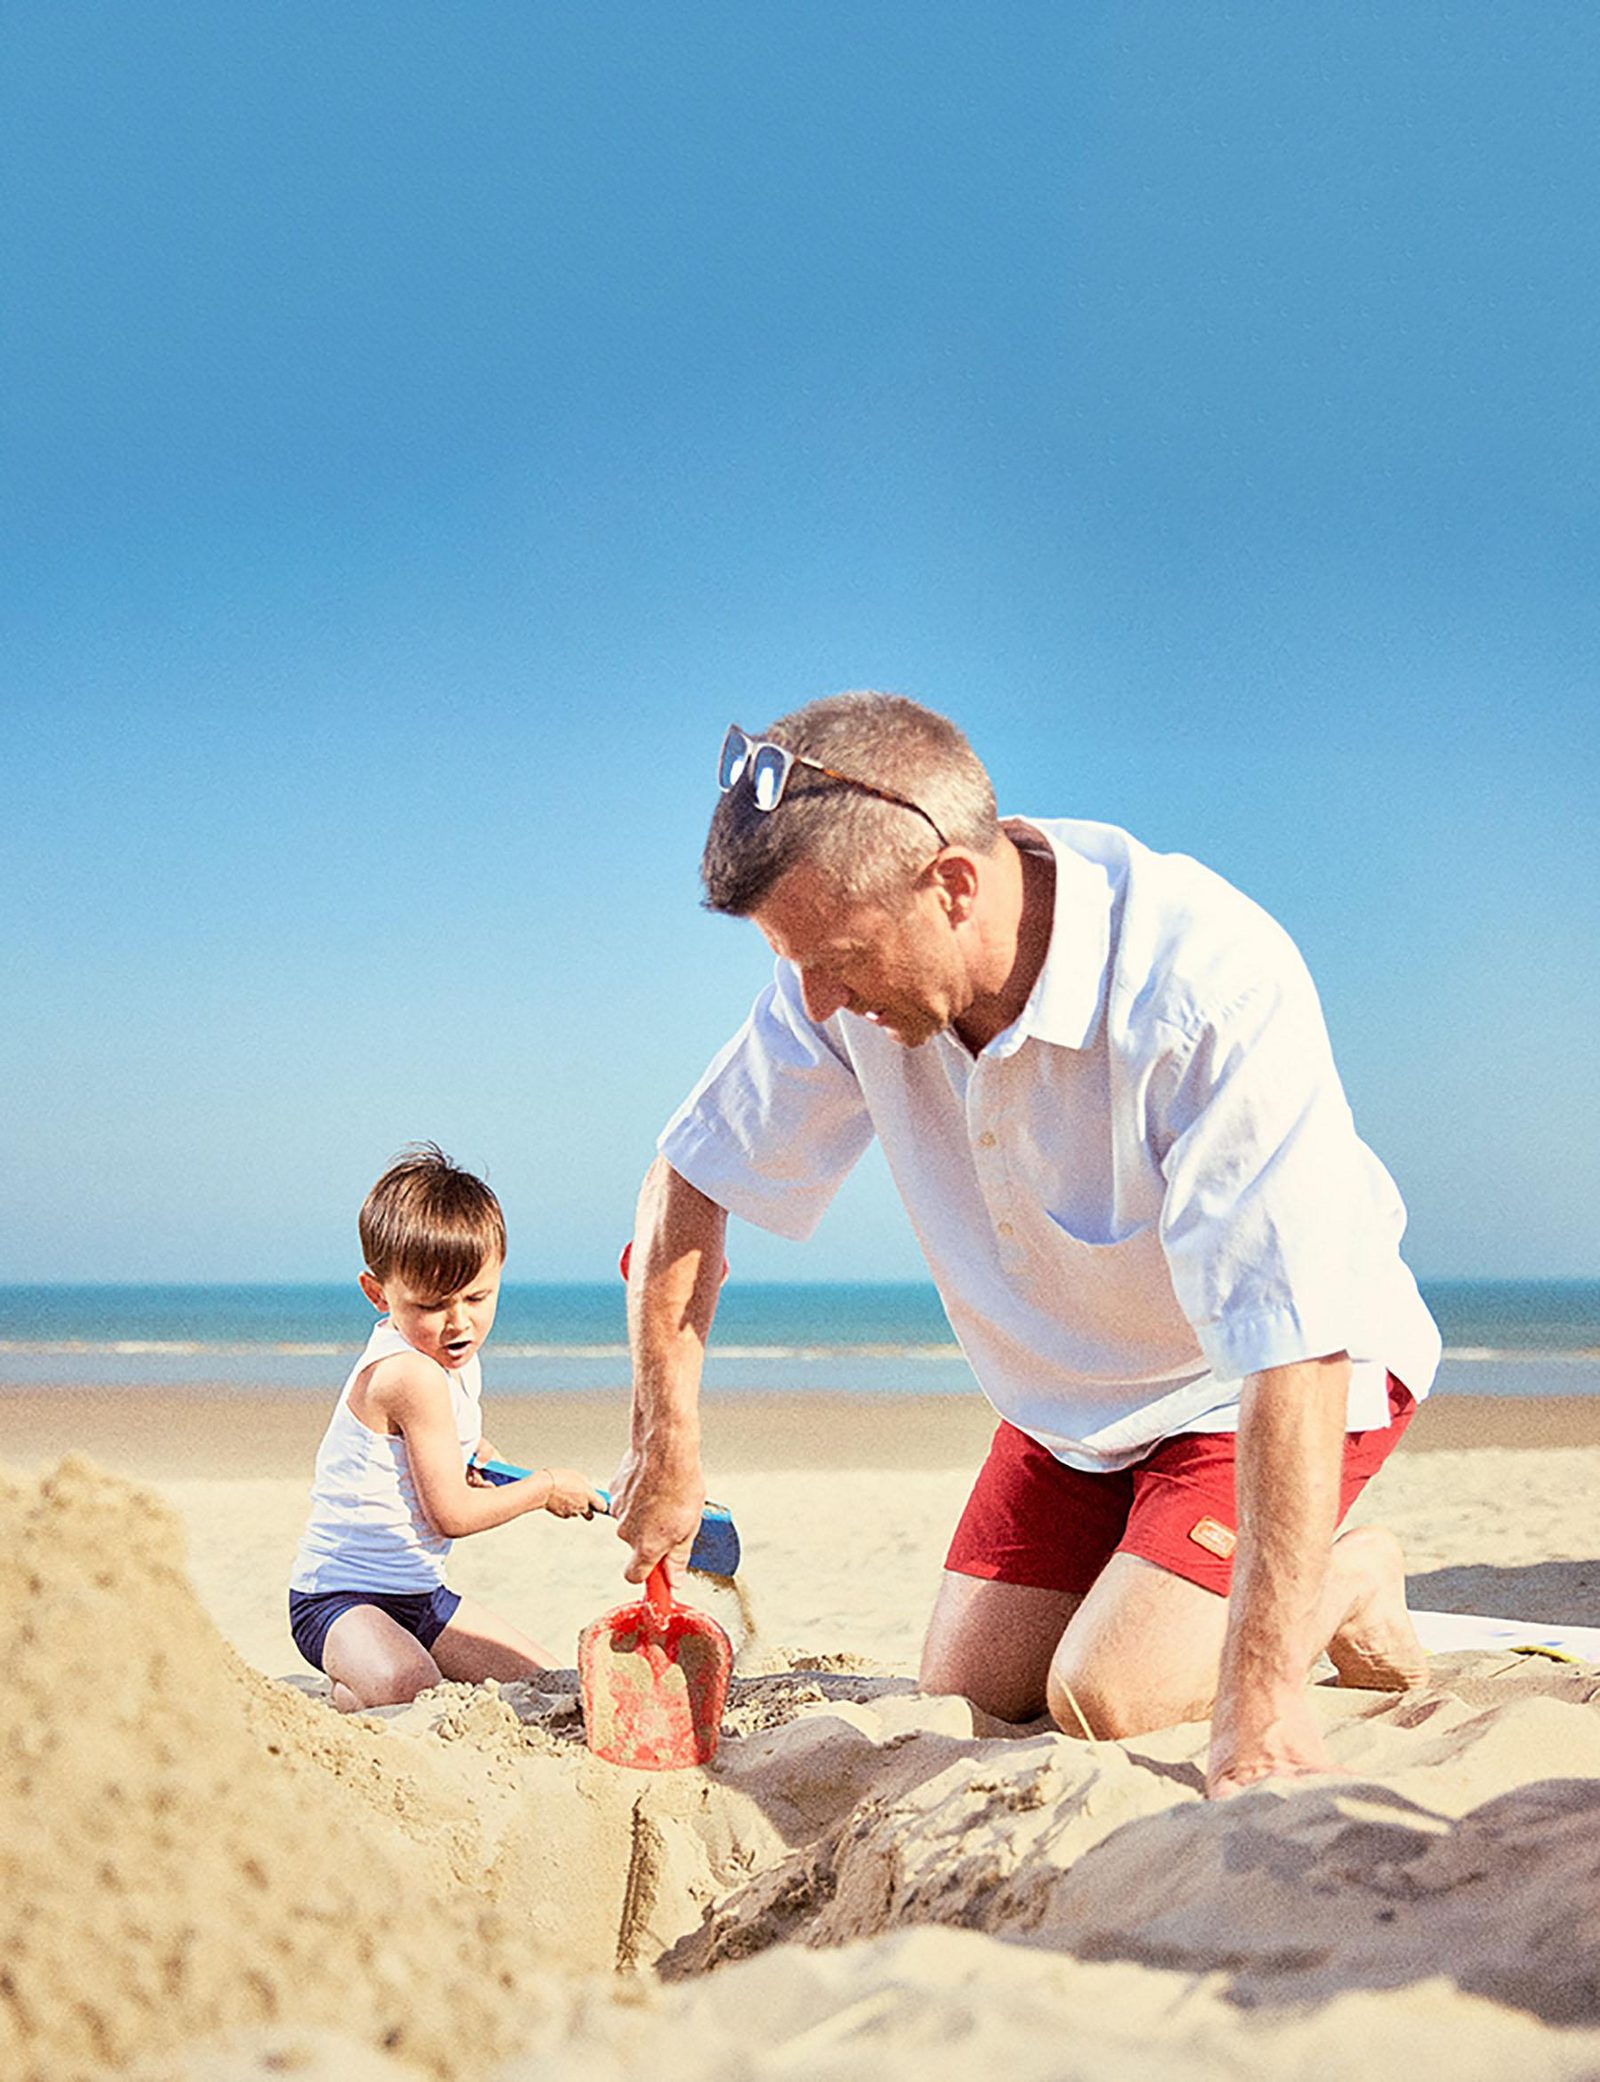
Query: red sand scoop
x,y
654,1677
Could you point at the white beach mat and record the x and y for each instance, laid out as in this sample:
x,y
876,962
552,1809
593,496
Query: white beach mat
x,y
1442,1633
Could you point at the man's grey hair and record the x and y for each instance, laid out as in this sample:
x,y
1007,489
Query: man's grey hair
x,y
868,848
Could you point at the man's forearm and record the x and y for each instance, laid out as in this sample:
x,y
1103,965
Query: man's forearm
x,y
1291,1433
673,1281
673,1278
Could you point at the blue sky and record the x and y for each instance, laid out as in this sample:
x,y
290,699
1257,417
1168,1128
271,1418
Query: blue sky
x,y
427,428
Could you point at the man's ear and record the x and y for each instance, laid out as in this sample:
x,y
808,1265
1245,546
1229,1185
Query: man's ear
x,y
954,874
373,1291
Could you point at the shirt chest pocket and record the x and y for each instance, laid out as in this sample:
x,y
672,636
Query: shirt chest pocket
x,y
1114,1300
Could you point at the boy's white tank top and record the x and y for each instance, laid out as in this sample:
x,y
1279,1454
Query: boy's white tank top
x,y
367,1530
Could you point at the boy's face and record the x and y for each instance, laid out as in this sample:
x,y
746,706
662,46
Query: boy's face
x,y
448,1328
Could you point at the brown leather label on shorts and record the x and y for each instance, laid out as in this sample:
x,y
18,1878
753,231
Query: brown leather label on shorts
x,y
1215,1537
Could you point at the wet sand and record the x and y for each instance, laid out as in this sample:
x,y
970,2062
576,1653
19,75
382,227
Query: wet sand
x,y
234,1432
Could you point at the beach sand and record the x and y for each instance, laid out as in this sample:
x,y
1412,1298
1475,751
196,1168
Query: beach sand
x,y
208,1874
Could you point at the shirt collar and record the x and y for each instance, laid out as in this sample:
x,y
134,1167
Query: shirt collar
x,y
1068,993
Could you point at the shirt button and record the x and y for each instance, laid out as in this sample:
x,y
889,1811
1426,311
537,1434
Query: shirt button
x,y
986,1140
1004,1228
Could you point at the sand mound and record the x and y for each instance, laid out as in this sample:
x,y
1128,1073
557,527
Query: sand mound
x,y
1293,1895
175,1862
197,1848
189,1847
941,2005
208,1876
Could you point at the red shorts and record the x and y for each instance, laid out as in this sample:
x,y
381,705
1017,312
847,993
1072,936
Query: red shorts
x,y
1030,1520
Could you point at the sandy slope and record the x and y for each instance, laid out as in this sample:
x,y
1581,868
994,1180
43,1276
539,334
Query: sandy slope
x,y
206,1873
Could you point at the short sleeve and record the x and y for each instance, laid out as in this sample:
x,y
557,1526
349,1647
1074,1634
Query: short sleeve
x,y
777,1121
1270,1221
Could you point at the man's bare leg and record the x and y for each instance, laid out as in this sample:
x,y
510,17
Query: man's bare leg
x,y
1371,1641
992,1643
1141,1652
1142,1649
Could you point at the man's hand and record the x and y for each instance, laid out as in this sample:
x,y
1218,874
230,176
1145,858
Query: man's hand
x,y
657,1504
1259,1738
1291,1438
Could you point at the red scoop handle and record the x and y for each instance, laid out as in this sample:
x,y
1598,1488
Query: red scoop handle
x,y
659,1591
627,1256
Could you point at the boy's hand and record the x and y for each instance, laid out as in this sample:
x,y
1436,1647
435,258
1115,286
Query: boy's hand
x,y
476,1479
572,1495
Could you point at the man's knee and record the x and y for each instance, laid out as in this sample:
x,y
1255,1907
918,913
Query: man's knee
x,y
1005,1695
1140,1654
1108,1705
992,1642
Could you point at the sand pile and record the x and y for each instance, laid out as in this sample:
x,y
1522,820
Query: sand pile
x,y
207,1875
1293,1895
188,1847
165,1871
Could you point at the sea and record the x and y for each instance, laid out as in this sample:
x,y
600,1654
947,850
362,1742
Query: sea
x,y
1502,1337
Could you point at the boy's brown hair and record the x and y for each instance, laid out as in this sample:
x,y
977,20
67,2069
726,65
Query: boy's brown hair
x,y
430,1223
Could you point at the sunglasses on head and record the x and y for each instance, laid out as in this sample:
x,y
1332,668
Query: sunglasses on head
x,y
769,766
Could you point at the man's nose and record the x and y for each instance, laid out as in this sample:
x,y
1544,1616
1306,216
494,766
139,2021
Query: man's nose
x,y
822,999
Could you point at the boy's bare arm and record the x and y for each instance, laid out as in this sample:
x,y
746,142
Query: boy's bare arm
x,y
676,1272
414,1400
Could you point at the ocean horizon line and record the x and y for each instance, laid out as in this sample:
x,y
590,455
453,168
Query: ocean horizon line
x,y
344,1282
858,1336
197,1348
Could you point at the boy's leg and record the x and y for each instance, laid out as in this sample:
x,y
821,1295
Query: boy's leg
x,y
373,1661
477,1644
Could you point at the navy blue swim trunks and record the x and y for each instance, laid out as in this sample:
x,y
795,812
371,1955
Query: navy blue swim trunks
x,y
424,1613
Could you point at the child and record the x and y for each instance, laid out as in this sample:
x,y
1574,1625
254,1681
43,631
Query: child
x,y
394,1482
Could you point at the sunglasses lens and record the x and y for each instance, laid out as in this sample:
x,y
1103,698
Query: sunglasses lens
x,y
735,752
767,775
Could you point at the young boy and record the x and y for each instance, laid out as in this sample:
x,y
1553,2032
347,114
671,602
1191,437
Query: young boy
x,y
394,1483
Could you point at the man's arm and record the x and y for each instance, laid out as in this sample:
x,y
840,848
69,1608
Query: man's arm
x,y
1291,1438
673,1280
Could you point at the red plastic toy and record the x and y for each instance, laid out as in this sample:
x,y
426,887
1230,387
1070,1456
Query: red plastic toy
x,y
655,1679
627,1259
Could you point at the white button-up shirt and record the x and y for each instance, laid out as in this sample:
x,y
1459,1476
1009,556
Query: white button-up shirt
x,y
1146,1188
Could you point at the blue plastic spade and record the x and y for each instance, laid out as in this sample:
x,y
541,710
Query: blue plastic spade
x,y
716,1545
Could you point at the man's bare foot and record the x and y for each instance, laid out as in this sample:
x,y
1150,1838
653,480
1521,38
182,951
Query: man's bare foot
x,y
1374,1646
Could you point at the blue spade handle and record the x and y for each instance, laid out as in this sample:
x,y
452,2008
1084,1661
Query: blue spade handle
x,y
716,1545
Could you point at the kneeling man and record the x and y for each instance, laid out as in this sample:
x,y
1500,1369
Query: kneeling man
x,y
1102,1081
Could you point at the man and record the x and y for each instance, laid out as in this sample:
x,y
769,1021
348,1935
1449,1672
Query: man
x,y
1103,1085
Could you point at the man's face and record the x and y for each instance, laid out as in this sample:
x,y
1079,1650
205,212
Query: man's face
x,y
899,967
